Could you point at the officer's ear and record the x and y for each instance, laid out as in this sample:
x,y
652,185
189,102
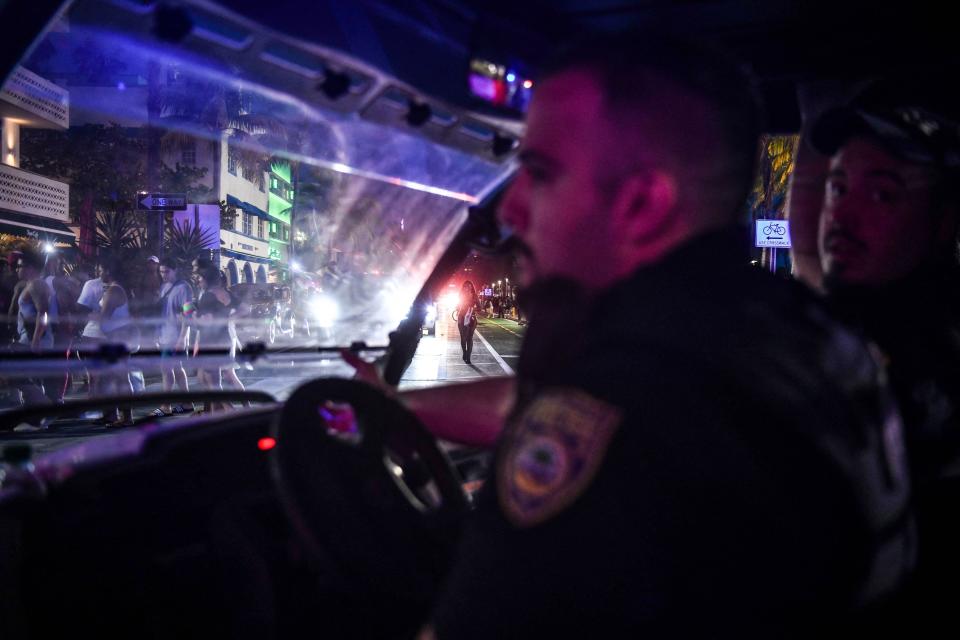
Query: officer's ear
x,y
645,205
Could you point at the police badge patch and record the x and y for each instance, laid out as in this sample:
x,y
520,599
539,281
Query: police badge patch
x,y
552,452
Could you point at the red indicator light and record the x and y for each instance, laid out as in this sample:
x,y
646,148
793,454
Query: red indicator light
x,y
265,444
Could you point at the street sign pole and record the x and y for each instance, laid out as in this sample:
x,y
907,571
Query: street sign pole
x,y
773,259
161,203
155,235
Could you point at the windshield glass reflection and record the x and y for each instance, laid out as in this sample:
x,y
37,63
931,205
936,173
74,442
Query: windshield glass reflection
x,y
190,203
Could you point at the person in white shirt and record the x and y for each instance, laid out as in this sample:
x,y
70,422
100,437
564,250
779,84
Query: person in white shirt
x,y
175,294
89,300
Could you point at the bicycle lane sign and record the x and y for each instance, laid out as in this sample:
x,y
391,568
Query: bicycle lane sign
x,y
773,233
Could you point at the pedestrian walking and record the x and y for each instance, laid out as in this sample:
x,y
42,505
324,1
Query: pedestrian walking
x,y
467,318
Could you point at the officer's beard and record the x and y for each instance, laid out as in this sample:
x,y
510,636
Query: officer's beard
x,y
557,310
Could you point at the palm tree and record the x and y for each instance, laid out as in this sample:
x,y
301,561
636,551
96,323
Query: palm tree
x,y
776,166
122,238
184,242
251,155
9,242
120,230
187,179
193,108
770,189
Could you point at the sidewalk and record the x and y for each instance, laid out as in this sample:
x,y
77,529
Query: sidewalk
x,y
439,358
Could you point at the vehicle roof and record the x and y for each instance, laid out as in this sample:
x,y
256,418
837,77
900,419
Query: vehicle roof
x,y
786,41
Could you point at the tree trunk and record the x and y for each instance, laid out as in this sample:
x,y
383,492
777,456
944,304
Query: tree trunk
x,y
154,136
215,181
88,227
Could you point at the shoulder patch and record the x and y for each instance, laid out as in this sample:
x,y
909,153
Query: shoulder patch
x,y
553,450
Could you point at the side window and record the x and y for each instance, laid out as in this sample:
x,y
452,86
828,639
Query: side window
x,y
188,153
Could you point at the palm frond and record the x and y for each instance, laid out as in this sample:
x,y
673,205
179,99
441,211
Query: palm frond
x,y
773,177
252,157
185,241
120,230
176,140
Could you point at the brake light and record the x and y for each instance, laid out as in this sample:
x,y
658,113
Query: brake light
x,y
265,444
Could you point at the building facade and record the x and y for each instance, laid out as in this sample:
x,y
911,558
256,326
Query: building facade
x,y
244,249
32,205
252,248
280,208
227,162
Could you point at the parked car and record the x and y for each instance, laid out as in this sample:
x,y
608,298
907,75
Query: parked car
x,y
255,312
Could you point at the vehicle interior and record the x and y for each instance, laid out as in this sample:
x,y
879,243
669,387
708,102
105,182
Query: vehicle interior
x,y
327,508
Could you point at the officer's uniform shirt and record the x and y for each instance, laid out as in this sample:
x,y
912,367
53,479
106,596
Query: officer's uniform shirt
x,y
680,462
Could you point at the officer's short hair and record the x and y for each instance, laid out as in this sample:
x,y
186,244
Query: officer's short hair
x,y
641,77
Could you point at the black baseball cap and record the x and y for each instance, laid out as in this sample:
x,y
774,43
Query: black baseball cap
x,y
910,121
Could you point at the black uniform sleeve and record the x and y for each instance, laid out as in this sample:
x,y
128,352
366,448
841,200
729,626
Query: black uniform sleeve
x,y
676,518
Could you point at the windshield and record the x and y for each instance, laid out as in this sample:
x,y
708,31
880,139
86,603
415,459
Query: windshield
x,y
207,185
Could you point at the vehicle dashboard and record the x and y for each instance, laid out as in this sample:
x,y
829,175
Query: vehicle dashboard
x,y
184,537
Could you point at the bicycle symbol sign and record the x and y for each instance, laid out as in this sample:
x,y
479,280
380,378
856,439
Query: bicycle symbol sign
x,y
773,233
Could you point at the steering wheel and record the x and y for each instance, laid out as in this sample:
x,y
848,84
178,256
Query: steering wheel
x,y
367,487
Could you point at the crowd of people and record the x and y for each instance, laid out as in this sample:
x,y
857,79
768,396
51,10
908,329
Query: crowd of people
x,y
502,307
161,305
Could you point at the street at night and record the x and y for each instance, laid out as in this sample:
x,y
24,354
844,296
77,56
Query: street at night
x,y
437,361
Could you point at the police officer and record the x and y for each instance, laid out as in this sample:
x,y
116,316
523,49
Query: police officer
x,y
887,239
695,448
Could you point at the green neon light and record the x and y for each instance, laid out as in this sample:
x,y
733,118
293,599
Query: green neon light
x,y
282,169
